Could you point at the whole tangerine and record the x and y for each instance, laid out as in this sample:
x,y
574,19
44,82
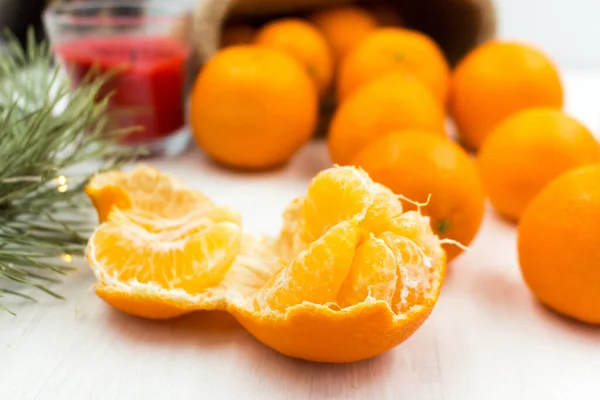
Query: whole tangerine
x,y
420,166
389,49
499,79
253,107
343,27
527,151
558,244
305,43
391,102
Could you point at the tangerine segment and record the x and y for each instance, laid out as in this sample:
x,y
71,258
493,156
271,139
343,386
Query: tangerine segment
x,y
175,229
384,209
318,333
414,275
416,227
316,274
335,195
252,267
292,237
128,254
372,274
144,188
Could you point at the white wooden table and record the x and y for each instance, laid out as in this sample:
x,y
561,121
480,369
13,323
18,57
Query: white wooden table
x,y
486,339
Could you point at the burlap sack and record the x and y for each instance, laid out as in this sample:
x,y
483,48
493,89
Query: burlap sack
x,y
457,25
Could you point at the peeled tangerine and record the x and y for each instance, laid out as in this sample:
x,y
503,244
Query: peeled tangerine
x,y
349,277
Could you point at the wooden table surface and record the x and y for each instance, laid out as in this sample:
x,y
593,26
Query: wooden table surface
x,y
486,339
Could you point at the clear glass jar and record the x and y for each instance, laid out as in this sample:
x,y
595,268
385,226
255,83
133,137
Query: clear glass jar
x,y
146,46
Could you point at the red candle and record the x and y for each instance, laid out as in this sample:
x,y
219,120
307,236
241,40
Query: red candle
x,y
149,85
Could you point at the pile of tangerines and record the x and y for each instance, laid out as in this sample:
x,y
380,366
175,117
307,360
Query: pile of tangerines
x,y
360,259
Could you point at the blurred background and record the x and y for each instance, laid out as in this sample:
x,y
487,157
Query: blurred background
x,y
567,30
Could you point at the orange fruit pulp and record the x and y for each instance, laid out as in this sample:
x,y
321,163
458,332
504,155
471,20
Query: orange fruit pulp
x,y
350,276
360,277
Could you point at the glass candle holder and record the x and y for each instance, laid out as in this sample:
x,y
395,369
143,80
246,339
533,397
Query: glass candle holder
x,y
141,44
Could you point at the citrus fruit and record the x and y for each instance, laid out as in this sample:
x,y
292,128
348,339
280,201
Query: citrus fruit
x,y
421,166
350,276
145,189
558,244
391,102
343,27
497,80
237,33
252,107
156,263
388,49
528,150
305,43
348,292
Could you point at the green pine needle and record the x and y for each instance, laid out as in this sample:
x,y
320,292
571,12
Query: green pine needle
x,y
51,140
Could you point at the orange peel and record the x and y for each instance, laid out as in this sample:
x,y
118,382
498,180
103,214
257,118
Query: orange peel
x,y
350,276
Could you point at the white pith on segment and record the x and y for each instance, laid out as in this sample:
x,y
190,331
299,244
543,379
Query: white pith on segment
x,y
258,258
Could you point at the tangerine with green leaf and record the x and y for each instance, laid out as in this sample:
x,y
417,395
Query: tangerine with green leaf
x,y
429,169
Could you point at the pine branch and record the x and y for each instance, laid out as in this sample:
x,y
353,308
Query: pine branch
x,y
49,136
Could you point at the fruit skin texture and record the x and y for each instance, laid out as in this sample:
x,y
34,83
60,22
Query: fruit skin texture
x,y
343,27
558,244
392,102
497,80
527,151
388,49
317,333
417,164
305,43
145,306
253,107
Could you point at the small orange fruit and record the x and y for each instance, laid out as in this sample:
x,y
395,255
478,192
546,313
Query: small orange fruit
x,y
499,79
343,27
156,263
305,43
253,107
558,244
237,33
349,293
389,49
391,102
527,151
417,165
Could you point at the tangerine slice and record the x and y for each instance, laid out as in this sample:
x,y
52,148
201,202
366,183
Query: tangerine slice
x,y
335,195
372,274
164,264
128,254
146,189
316,274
